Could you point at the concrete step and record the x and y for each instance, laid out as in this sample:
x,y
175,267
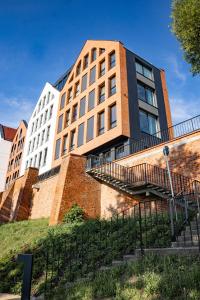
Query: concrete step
x,y
190,232
117,262
169,251
185,244
188,237
130,257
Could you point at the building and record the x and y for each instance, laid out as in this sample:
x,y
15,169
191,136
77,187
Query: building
x,y
7,135
15,159
38,149
109,97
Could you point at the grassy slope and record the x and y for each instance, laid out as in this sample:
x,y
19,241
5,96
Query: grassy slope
x,y
17,236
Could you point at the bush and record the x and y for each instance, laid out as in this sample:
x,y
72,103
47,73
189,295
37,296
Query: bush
x,y
74,215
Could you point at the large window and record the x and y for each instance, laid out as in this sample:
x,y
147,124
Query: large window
x,y
75,112
90,129
113,116
60,123
148,122
57,150
67,118
82,107
92,75
91,100
51,112
85,61
48,133
72,140
93,54
80,134
147,72
112,60
45,156
77,89
112,85
102,93
146,94
84,83
62,101
78,69
102,68
69,95
101,123
65,141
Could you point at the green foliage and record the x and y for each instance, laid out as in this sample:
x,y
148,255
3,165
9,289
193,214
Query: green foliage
x,y
186,27
74,215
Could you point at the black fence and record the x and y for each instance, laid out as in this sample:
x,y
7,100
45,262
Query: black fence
x,y
146,141
50,173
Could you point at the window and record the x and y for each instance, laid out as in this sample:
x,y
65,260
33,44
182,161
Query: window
x,y
39,106
78,69
48,97
45,116
44,100
60,124
65,140
82,107
45,157
42,138
85,63
112,60
148,123
38,140
113,116
90,129
112,84
41,117
40,159
91,99
77,89
62,101
84,83
119,151
102,93
67,118
92,75
101,122
35,160
72,140
36,125
26,164
145,71
57,150
102,68
50,112
75,112
29,148
94,54
48,133
80,134
101,50
146,94
70,95
33,145
32,128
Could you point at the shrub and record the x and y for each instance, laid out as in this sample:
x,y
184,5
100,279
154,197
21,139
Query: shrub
x,y
74,215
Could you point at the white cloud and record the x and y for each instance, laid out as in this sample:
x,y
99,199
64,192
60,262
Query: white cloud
x,y
183,109
175,68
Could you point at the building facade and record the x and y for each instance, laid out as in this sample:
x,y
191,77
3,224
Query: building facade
x,y
15,159
38,149
109,97
7,135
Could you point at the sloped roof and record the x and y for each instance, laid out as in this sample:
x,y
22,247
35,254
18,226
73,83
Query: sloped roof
x,y
7,133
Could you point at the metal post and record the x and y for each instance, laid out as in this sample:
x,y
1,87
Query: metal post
x,y
27,260
186,208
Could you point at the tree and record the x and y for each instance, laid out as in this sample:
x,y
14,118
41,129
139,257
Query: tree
x,y
186,27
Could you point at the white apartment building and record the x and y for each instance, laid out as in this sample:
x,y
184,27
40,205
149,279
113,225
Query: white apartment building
x,y
38,148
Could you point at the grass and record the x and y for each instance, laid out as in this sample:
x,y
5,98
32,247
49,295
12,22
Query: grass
x,y
152,278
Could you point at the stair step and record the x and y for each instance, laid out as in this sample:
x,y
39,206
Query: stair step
x,y
185,244
130,257
117,262
188,232
188,237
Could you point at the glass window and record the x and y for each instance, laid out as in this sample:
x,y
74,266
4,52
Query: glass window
x,y
40,159
33,145
92,75
35,160
141,92
119,151
148,122
62,101
38,141
41,117
45,116
60,124
94,54
91,100
65,141
57,150
77,89
101,50
45,157
82,107
113,116
48,97
69,95
67,118
36,125
90,129
101,121
112,85
72,140
75,112
147,72
86,58
43,103
42,138
48,133
102,68
84,83
139,68
80,134
78,69
146,94
102,93
51,112
112,60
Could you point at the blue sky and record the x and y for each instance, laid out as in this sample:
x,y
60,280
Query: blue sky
x,y
40,39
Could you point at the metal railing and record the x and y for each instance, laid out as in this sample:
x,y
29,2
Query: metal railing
x,y
50,173
147,141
